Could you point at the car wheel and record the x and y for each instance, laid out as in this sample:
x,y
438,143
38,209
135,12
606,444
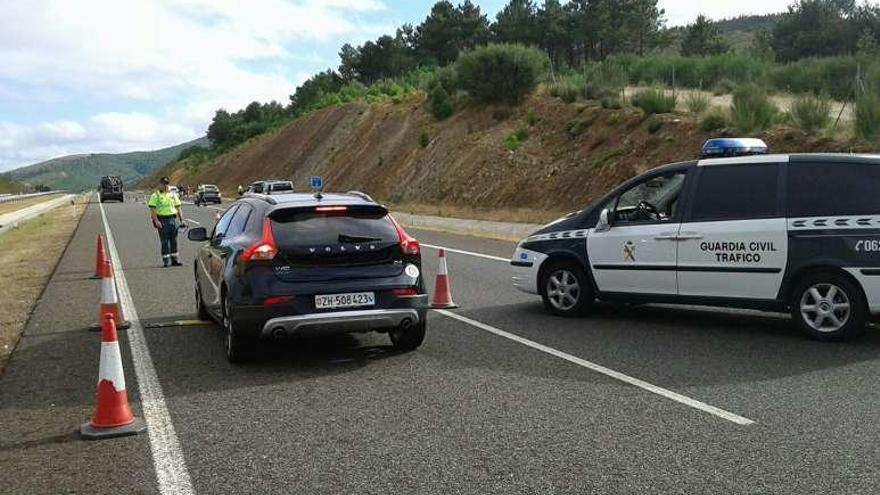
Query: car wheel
x,y
238,348
201,311
407,339
828,306
565,289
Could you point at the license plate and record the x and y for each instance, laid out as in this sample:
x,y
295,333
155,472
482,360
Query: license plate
x,y
349,300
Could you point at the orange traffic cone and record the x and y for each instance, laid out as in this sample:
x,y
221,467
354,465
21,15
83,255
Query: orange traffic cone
x,y
442,290
110,299
100,256
113,417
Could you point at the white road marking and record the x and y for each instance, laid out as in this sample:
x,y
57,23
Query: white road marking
x,y
191,220
171,472
469,253
702,406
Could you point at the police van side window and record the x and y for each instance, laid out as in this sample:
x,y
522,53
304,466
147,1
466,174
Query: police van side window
x,y
736,192
833,189
652,200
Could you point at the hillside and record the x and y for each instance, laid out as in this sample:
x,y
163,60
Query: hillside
x,y
80,172
574,153
10,186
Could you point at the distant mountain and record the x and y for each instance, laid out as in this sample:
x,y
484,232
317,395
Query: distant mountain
x,y
81,172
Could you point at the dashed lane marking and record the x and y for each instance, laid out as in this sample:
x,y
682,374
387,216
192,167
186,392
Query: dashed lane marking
x,y
469,253
654,389
171,472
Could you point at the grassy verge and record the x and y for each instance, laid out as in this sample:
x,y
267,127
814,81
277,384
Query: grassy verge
x,y
515,215
10,207
27,270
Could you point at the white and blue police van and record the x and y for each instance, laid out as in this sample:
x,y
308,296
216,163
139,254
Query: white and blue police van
x,y
739,227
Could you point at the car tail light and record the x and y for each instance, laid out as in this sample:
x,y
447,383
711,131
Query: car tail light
x,y
264,249
408,244
409,292
275,301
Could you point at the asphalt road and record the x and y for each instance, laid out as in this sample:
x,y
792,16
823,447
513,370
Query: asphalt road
x,y
471,411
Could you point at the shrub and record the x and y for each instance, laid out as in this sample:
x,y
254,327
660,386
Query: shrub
x,y
614,118
723,87
531,117
751,109
868,115
440,102
445,77
811,113
696,103
577,127
564,89
515,139
654,124
500,73
424,139
653,101
716,118
610,102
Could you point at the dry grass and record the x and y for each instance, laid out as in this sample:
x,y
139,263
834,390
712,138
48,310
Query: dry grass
x,y
515,215
10,207
27,270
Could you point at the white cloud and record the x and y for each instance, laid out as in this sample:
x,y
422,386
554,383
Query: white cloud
x,y
182,59
683,12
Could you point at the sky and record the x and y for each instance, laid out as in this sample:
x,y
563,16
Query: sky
x,y
88,76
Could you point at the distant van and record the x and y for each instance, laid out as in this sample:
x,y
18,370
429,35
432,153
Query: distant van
x,y
111,189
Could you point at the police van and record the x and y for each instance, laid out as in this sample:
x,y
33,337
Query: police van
x,y
796,233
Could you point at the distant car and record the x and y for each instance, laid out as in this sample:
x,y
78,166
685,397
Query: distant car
x,y
292,264
111,188
208,193
270,187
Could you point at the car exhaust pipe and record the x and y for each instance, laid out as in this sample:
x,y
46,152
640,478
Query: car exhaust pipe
x,y
405,323
277,332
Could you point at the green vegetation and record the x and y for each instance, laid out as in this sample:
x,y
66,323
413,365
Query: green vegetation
x,y
716,118
811,113
868,115
578,126
424,139
703,38
654,124
566,89
654,100
752,109
500,73
516,138
696,103
8,186
441,103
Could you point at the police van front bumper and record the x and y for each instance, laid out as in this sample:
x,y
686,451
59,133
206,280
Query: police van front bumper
x,y
525,266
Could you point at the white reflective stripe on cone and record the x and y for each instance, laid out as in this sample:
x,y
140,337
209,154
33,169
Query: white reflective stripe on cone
x,y
110,367
441,270
108,292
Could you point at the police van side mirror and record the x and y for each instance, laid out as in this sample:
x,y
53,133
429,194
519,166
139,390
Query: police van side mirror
x,y
604,223
198,234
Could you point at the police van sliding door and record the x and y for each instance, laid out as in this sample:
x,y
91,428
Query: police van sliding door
x,y
733,242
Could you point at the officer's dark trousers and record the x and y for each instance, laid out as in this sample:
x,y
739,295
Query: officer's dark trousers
x,y
168,238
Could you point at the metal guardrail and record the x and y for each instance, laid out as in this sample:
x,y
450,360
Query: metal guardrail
x,y
14,198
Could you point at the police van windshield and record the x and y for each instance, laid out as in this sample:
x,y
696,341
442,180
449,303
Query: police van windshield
x,y
654,199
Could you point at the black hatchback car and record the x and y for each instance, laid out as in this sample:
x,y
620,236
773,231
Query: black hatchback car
x,y
298,264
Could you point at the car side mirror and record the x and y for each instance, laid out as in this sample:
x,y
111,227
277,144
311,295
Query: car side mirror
x,y
198,234
604,222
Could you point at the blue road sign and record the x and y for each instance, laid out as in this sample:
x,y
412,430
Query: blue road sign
x,y
317,183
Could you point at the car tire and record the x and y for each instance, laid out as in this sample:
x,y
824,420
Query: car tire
x,y
239,349
828,306
408,339
565,289
201,310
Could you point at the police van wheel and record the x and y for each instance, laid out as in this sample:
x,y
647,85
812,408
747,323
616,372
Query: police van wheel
x,y
828,306
238,348
565,289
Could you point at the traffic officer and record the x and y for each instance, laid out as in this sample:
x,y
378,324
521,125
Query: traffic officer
x,y
167,218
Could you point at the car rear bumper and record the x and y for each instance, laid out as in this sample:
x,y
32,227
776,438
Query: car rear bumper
x,y
366,320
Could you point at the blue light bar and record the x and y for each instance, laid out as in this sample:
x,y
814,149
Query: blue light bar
x,y
723,147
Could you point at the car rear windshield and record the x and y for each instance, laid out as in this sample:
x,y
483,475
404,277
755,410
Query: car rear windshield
x,y
307,227
209,188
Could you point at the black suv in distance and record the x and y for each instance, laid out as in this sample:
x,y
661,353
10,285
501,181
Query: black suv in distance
x,y
296,264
